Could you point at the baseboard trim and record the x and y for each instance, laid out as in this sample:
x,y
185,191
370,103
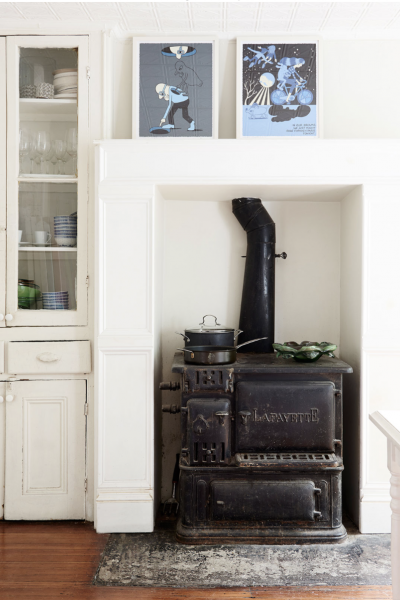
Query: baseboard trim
x,y
375,516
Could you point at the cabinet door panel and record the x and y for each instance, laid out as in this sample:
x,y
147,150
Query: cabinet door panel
x,y
45,450
2,444
3,190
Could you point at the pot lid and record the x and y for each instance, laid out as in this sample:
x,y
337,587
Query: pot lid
x,y
210,327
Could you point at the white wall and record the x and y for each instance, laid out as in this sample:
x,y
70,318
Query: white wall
x,y
357,82
203,274
351,281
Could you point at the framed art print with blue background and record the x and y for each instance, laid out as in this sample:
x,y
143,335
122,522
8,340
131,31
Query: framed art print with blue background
x,y
174,87
277,92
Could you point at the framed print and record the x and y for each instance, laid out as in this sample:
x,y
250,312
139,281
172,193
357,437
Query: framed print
x,y
174,88
277,89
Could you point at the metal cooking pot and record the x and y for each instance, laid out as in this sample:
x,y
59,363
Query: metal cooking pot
x,y
210,335
213,355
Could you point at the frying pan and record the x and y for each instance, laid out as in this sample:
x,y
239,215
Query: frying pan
x,y
213,355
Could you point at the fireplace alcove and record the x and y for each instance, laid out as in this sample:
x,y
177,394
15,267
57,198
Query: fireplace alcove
x,y
169,250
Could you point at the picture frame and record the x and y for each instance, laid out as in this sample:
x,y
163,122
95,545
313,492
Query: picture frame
x,y
175,88
278,92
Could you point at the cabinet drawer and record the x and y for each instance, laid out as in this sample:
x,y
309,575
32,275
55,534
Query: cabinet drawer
x,y
49,357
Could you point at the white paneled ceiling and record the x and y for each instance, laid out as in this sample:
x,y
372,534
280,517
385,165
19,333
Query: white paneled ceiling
x,y
146,18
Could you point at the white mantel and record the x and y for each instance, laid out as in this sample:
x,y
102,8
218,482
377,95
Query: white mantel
x,y
135,180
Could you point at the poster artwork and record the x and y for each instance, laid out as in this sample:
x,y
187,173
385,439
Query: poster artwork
x,y
279,89
176,89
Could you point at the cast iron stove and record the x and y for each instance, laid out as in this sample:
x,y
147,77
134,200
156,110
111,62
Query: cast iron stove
x,y
261,456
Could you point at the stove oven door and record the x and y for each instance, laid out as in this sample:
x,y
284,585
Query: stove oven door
x,y
264,501
282,416
209,431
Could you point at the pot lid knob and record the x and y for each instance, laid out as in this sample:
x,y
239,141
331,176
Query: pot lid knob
x,y
216,324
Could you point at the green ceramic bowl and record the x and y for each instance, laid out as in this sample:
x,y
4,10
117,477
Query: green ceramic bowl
x,y
28,292
306,351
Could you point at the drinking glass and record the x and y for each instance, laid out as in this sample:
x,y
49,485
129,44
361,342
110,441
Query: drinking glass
x,y
53,159
43,144
72,146
23,146
60,149
48,156
32,153
66,157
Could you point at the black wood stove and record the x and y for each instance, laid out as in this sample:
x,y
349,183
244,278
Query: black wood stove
x,y
261,457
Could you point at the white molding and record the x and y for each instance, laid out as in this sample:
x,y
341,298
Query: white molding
x,y
145,428
146,254
137,169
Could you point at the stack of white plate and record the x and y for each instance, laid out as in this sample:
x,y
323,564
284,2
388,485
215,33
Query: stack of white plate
x,y
55,300
65,83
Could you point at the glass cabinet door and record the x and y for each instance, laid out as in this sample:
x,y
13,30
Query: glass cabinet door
x,y
47,181
3,179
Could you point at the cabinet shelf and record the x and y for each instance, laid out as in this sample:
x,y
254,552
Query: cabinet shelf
x,y
47,249
40,109
46,179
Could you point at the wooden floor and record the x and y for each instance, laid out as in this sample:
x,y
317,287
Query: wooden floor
x,y
59,559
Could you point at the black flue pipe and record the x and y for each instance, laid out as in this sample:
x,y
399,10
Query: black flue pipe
x,y
257,312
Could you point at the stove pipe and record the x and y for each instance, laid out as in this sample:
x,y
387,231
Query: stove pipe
x,y
257,312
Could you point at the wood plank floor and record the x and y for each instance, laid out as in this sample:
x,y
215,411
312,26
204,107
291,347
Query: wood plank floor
x,y
53,560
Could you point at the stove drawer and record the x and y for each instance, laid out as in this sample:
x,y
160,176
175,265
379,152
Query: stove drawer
x,y
264,501
285,416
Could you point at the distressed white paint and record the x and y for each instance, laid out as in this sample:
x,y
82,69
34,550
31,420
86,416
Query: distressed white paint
x,y
47,332
353,186
45,450
3,181
388,422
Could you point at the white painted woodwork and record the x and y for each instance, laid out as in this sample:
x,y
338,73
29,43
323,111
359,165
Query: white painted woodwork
x,y
2,444
361,248
2,367
49,357
3,180
388,422
126,232
45,450
14,43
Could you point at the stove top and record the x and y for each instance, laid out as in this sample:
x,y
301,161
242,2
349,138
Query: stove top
x,y
268,363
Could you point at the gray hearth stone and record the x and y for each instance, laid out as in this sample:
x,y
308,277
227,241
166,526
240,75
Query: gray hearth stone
x,y
158,560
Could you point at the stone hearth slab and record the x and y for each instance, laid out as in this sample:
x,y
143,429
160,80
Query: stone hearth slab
x,y
158,560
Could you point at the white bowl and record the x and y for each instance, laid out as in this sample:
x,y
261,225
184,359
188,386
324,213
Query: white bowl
x,y
63,241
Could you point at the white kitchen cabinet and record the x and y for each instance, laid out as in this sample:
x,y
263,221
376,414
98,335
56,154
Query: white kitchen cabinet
x,y
45,357
45,449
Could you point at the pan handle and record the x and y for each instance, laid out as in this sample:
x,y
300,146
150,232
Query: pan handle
x,y
251,341
186,350
185,337
237,332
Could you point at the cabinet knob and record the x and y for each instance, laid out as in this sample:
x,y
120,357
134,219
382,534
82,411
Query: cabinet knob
x,y
9,398
1,399
1,317
9,317
48,357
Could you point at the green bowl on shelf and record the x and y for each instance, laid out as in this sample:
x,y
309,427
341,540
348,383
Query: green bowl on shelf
x,y
28,295
306,351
